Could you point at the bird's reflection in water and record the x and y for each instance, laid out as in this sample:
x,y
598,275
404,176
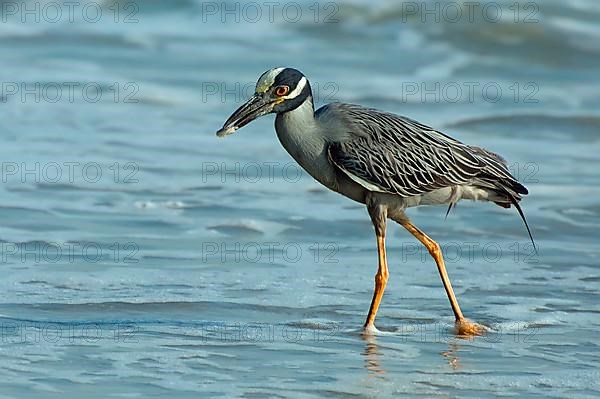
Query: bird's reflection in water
x,y
468,331
451,356
373,355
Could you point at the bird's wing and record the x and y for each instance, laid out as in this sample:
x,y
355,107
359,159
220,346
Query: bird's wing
x,y
393,154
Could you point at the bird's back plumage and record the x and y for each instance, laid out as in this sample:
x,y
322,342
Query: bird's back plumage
x,y
398,155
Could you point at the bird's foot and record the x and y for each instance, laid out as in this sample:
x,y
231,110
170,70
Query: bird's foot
x,y
369,330
464,328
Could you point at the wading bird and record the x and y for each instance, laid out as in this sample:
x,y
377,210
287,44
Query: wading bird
x,y
385,161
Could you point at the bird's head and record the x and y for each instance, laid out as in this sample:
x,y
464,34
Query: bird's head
x,y
277,90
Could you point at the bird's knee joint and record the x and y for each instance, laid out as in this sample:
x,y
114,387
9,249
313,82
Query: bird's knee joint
x,y
382,277
434,249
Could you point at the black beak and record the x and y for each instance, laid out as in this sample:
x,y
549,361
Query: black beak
x,y
256,106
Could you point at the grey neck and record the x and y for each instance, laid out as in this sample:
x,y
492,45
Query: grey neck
x,y
301,135
298,129
302,116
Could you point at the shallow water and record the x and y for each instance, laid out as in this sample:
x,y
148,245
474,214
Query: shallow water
x,y
144,257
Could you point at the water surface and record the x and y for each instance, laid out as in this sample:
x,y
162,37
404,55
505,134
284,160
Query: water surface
x,y
142,256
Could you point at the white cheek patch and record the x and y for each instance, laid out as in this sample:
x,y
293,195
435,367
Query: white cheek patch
x,y
296,92
267,80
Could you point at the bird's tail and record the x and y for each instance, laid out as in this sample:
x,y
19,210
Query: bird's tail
x,y
503,187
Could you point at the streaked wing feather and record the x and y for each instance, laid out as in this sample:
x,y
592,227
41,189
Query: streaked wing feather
x,y
399,155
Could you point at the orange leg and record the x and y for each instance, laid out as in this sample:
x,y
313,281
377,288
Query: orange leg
x,y
463,326
381,279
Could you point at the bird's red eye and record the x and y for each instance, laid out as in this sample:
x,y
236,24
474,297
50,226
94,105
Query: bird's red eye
x,y
282,90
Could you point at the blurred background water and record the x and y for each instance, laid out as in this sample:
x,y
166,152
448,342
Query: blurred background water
x,y
142,256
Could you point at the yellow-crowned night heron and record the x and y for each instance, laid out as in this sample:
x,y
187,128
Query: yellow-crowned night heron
x,y
385,161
